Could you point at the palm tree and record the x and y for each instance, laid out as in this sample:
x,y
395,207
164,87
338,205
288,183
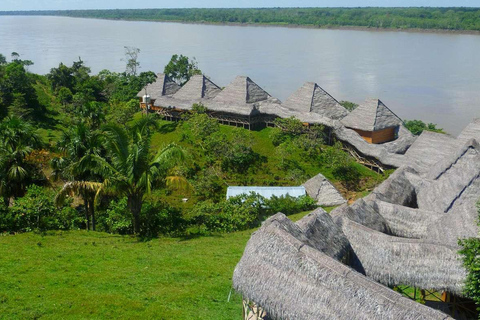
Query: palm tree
x,y
80,147
131,170
18,139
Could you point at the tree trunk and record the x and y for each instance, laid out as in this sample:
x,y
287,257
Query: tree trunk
x,y
92,213
87,217
134,203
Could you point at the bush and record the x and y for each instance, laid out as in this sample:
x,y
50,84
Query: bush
x,y
243,212
471,260
156,218
417,127
37,211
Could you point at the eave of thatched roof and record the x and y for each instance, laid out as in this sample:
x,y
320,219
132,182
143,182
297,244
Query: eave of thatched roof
x,y
372,115
389,154
291,279
416,262
161,87
312,98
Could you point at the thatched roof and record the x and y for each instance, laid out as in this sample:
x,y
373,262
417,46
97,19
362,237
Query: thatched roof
x,y
372,115
450,178
363,213
312,98
325,235
429,148
322,190
284,273
161,87
266,192
241,90
198,87
392,260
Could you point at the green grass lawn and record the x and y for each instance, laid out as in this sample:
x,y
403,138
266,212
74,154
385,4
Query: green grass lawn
x,y
79,274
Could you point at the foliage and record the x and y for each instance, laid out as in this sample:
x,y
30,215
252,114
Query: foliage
x,y
455,18
131,57
350,106
156,218
418,126
37,211
180,69
123,87
18,139
17,92
243,212
471,260
129,170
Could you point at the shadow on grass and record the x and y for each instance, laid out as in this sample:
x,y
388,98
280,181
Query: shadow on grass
x,y
168,127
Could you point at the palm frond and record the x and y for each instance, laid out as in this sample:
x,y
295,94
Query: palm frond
x,y
76,187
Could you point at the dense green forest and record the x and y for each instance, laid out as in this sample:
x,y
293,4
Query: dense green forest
x,y
389,18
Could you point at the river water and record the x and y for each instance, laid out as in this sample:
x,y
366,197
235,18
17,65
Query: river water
x,y
428,76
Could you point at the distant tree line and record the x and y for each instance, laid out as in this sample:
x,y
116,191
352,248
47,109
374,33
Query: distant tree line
x,y
387,18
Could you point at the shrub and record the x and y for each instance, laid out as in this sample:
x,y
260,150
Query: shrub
x,y
37,211
156,218
471,260
243,212
417,127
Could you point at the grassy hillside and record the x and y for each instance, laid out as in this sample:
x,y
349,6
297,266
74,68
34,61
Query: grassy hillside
x,y
79,274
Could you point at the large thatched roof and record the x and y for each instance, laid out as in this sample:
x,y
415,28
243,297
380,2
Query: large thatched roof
x,y
372,115
312,98
161,87
291,278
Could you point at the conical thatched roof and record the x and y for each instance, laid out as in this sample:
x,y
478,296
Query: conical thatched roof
x,y
372,115
161,87
312,98
242,90
322,190
285,274
198,87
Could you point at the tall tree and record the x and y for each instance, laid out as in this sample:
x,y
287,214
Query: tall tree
x,y
79,147
130,170
131,57
18,139
181,68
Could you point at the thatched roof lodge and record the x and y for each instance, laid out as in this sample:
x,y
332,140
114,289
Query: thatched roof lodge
x,y
404,233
